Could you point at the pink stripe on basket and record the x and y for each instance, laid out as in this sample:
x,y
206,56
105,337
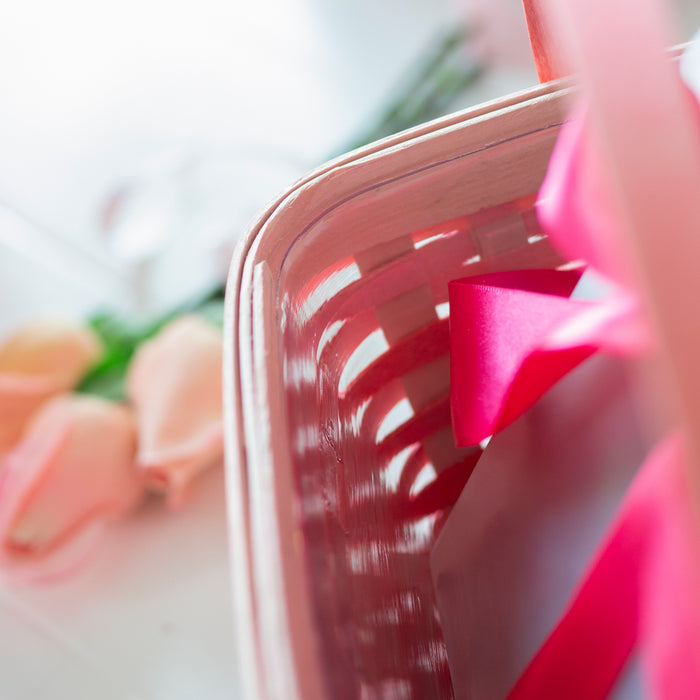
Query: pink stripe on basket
x,y
444,490
419,348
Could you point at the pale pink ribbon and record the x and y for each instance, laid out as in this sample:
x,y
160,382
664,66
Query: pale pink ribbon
x,y
622,194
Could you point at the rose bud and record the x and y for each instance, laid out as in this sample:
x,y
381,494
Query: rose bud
x,y
41,360
72,471
174,383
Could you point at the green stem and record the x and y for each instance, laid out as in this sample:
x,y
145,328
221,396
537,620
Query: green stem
x,y
444,74
121,337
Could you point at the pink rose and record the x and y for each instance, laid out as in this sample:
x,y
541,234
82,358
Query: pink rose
x,y
174,383
72,471
43,359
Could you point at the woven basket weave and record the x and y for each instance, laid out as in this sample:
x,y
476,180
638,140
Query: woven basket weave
x,y
337,395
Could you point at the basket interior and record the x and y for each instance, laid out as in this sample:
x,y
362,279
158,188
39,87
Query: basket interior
x,y
364,323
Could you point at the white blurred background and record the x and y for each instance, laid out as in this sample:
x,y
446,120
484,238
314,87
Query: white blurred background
x,y
145,127
148,133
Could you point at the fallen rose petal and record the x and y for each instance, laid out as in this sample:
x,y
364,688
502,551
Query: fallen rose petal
x,y
43,359
174,383
72,471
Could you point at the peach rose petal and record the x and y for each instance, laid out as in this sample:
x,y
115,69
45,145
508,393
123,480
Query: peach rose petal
x,y
41,360
71,473
174,383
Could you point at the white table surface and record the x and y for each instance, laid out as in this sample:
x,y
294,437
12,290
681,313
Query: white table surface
x,y
96,95
148,617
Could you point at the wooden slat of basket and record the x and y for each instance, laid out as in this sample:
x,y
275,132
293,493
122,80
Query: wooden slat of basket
x,y
273,519
403,315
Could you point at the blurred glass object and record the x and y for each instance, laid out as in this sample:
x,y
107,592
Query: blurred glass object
x,y
44,274
500,32
174,224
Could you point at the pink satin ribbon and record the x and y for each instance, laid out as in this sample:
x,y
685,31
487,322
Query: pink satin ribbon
x,y
515,334
642,589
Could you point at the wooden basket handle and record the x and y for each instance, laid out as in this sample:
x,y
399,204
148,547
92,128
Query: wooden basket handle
x,y
545,50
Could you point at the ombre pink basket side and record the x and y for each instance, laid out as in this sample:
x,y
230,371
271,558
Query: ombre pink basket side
x,y
337,395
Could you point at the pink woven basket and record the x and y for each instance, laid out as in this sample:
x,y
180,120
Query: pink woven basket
x,y
340,455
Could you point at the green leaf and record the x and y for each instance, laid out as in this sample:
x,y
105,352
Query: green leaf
x,y
121,337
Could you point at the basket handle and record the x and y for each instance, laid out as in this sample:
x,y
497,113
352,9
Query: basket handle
x,y
545,48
